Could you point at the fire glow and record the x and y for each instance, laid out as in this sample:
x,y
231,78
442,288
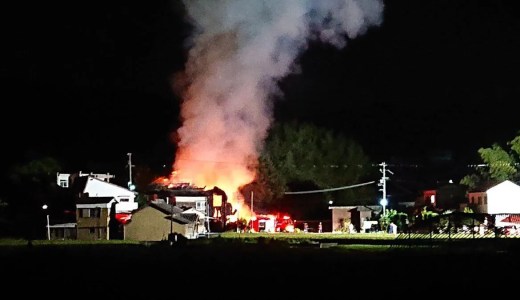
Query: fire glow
x,y
239,50
204,180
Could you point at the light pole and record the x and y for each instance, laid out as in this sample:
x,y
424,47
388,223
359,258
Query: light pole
x,y
48,225
252,196
382,182
131,186
384,203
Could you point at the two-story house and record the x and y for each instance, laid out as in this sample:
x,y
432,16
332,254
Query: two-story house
x,y
93,216
101,206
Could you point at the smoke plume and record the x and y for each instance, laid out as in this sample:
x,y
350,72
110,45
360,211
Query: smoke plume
x,y
237,52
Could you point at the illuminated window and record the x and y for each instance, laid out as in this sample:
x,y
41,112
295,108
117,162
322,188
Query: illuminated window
x,y
64,183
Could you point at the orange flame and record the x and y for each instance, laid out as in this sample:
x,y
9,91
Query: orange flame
x,y
228,176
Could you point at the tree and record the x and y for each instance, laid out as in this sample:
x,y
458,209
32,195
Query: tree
x,y
499,164
303,156
33,183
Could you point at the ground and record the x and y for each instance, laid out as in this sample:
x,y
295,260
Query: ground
x,y
243,269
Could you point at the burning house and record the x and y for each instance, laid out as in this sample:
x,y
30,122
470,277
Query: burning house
x,y
213,203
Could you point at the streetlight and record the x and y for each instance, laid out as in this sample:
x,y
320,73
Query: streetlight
x,y
384,203
48,226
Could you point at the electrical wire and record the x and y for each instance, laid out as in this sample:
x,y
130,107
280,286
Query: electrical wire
x,y
329,190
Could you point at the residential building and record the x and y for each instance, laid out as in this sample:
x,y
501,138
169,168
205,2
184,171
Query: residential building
x,y
503,198
157,220
355,215
101,207
477,201
93,216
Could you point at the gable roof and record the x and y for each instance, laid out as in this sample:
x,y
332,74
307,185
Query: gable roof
x,y
192,210
376,208
181,218
166,208
93,182
192,217
82,184
511,219
506,184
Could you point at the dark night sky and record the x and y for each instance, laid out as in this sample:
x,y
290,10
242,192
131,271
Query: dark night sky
x,y
89,82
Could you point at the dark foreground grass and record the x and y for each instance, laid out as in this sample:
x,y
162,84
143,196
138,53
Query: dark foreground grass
x,y
221,268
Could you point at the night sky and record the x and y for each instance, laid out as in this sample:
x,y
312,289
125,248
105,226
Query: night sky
x,y
88,82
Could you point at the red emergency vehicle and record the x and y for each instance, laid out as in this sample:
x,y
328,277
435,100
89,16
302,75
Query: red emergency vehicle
x,y
272,223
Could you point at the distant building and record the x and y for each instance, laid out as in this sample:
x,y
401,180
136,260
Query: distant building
x,y
478,201
503,198
355,215
93,217
98,185
101,207
66,179
157,220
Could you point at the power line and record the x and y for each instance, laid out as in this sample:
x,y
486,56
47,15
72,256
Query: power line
x,y
329,190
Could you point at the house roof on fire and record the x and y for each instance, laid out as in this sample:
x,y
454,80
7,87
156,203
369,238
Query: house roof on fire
x,y
165,191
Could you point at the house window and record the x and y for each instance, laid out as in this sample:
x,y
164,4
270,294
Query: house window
x,y
95,212
124,200
92,230
90,213
200,205
85,213
479,200
64,183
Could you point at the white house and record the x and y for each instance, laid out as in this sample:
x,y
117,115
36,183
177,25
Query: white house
x,y
64,179
98,185
504,198
197,202
99,188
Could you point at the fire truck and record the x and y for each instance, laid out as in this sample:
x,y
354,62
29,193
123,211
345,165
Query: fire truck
x,y
271,223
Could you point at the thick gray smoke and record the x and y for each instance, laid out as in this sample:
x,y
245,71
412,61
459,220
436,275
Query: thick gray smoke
x,y
238,51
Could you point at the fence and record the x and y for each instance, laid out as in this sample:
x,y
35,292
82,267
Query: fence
x,y
467,229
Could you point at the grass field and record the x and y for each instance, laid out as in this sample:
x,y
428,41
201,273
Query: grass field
x,y
232,266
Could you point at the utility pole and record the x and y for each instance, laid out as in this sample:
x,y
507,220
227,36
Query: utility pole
x,y
130,185
382,182
252,195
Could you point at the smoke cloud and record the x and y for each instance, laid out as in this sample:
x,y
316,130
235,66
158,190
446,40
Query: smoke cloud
x,y
237,52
